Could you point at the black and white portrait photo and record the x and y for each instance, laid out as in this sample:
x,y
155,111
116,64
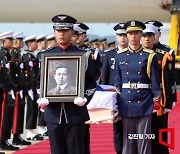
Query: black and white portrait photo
x,y
62,77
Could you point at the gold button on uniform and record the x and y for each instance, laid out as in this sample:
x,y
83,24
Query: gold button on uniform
x,y
139,62
129,101
138,101
127,72
140,54
138,72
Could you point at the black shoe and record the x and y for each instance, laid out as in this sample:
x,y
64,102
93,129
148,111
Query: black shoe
x,y
2,152
20,141
36,138
7,146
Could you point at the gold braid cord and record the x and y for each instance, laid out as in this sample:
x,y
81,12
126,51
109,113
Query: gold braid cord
x,y
150,58
166,57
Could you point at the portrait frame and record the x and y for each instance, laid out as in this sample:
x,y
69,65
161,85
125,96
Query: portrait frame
x,y
75,64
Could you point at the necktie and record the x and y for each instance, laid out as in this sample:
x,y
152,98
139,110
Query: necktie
x,y
58,90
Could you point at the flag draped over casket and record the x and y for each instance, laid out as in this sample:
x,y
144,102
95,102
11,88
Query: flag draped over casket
x,y
105,97
103,104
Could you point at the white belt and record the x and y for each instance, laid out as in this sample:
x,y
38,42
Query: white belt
x,y
135,85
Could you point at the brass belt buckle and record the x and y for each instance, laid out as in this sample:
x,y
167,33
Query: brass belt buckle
x,y
133,85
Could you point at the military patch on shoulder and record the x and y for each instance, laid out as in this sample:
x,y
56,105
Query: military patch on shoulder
x,y
160,51
122,50
148,50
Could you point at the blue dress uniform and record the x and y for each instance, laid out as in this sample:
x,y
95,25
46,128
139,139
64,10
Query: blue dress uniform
x,y
66,121
137,81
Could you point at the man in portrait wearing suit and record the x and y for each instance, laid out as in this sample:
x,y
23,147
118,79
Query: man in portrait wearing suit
x,y
62,87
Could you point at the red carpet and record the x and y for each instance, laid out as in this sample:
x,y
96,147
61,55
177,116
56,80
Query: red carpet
x,y
102,137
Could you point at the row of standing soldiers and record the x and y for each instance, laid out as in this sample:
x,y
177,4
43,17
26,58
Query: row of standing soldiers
x,y
19,81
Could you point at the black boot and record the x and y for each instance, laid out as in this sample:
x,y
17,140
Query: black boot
x,y
18,140
5,145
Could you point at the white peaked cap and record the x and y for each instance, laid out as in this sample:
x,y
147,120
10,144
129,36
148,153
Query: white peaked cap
x,y
39,37
28,38
49,37
18,35
78,29
6,35
150,29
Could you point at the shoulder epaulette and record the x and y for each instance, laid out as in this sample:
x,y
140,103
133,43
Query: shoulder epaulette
x,y
122,50
160,51
148,50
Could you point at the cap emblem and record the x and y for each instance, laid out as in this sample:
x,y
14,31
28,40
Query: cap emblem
x,y
133,23
62,17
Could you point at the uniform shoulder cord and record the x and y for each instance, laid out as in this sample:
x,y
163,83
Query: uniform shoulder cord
x,y
166,57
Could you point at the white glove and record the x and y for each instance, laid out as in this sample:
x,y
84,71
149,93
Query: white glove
x,y
80,101
30,63
30,93
7,65
21,65
21,93
11,92
42,102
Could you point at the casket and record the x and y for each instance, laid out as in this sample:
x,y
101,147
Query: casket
x,y
103,105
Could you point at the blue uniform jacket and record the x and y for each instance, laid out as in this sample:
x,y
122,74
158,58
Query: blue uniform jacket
x,y
132,68
108,67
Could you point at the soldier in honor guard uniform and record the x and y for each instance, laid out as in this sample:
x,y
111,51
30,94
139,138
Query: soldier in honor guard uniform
x,y
41,125
138,85
31,68
166,61
51,41
103,44
7,86
66,121
107,78
16,74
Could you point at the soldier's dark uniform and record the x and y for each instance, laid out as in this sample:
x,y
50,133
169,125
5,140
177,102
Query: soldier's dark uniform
x,y
67,118
31,77
17,75
166,61
169,98
8,103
